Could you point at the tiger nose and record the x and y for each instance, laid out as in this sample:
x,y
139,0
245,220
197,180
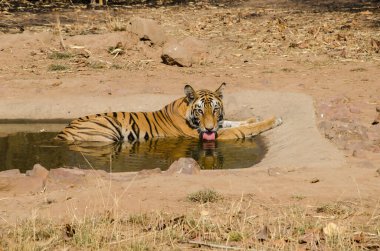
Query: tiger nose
x,y
209,128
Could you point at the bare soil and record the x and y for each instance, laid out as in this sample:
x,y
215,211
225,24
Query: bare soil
x,y
316,65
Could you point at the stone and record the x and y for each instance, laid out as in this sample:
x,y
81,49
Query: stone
x,y
38,171
66,175
344,131
354,109
184,166
330,111
10,173
150,171
197,48
184,53
22,184
314,180
174,53
147,29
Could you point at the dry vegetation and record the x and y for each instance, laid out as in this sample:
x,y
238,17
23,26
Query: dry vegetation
x,y
235,224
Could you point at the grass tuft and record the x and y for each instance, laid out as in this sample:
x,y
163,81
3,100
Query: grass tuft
x,y
235,236
57,67
204,196
60,55
97,65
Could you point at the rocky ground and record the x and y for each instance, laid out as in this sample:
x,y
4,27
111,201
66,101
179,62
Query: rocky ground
x,y
78,61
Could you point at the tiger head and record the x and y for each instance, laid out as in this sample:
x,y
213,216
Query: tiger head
x,y
205,111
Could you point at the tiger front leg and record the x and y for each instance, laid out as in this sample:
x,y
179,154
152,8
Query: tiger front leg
x,y
248,130
232,123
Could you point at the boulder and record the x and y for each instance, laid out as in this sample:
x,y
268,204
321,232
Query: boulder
x,y
147,172
184,166
10,173
38,171
66,175
147,29
184,53
174,53
197,48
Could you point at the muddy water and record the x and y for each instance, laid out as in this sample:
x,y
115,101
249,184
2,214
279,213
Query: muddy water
x,y
22,150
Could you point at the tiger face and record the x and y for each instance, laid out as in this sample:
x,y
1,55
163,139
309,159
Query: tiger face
x,y
205,111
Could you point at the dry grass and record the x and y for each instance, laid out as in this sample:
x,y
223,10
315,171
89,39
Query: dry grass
x,y
243,224
56,55
57,67
204,196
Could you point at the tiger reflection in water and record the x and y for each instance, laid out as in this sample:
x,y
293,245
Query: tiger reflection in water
x,y
209,154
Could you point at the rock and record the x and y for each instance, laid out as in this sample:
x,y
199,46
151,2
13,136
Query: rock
x,y
354,109
344,131
174,53
22,184
314,180
38,171
330,111
184,166
197,48
378,172
10,173
184,53
150,171
147,29
66,175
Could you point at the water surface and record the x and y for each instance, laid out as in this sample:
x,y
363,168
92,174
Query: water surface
x,y
22,150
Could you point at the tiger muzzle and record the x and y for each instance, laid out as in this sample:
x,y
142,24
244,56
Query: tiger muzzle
x,y
209,135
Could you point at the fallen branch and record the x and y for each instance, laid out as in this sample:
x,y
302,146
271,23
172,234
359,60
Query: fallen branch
x,y
211,245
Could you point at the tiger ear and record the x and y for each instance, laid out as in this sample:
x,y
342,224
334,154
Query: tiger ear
x,y
219,91
190,93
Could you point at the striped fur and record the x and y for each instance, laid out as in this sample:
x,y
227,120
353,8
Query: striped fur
x,y
197,113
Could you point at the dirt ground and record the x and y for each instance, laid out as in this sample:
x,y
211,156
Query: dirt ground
x,y
316,65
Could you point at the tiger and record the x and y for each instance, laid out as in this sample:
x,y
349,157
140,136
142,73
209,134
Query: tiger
x,y
199,114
